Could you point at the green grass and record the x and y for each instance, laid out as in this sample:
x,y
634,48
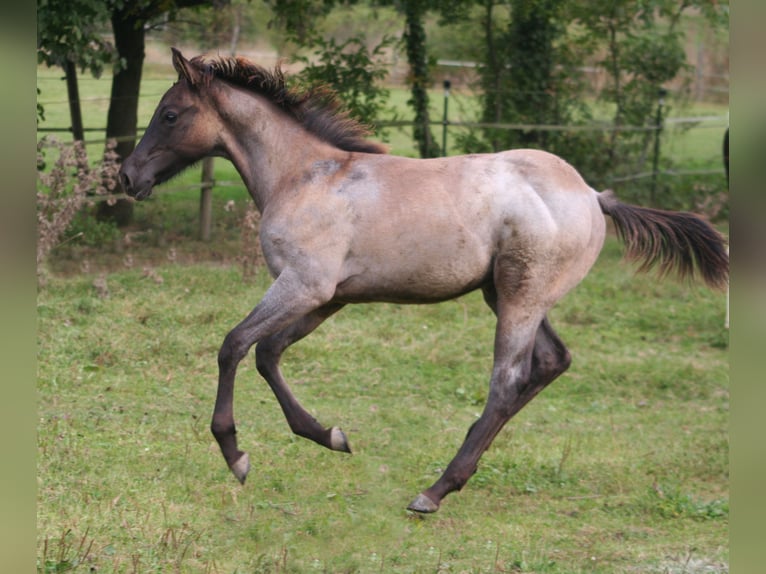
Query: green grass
x,y
619,466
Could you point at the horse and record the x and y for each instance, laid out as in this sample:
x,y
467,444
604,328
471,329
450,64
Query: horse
x,y
343,221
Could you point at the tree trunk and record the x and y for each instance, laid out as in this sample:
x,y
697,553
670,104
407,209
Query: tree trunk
x,y
415,38
236,25
122,119
73,94
492,78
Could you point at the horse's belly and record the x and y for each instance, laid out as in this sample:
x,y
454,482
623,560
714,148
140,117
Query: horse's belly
x,y
415,273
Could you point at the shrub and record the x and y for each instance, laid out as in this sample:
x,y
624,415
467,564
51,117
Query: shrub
x,y
68,187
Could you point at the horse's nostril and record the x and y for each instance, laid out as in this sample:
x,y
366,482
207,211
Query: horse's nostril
x,y
125,181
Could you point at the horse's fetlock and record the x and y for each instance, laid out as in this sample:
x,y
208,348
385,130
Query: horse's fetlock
x,y
222,428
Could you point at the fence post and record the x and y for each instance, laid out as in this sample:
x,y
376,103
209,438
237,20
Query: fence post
x,y
661,93
206,199
445,121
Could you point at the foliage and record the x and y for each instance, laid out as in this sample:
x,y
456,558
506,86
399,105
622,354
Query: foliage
x,y
531,76
210,26
40,109
299,17
73,30
353,71
64,554
419,77
64,190
69,36
668,501
642,50
70,30
518,80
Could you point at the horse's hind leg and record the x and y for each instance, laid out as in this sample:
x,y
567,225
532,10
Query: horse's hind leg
x,y
521,371
267,355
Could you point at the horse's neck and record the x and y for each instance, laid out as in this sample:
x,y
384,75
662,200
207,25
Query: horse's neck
x,y
267,147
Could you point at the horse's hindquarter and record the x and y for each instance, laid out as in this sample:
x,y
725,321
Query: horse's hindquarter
x,y
433,229
552,220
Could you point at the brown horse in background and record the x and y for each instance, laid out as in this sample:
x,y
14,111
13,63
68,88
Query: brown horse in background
x,y
344,222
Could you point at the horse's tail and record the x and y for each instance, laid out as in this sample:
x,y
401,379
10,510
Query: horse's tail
x,y
675,241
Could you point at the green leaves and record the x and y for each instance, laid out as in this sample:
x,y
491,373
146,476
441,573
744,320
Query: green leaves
x,y
351,69
72,30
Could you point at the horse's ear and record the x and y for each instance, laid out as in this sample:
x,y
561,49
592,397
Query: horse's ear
x,y
184,68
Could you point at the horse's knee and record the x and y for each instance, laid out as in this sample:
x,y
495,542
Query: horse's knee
x,y
232,351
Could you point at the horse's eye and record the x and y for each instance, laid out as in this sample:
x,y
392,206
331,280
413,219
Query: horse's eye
x,y
171,117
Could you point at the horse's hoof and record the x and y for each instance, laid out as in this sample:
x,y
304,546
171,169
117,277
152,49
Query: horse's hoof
x,y
423,504
241,467
338,440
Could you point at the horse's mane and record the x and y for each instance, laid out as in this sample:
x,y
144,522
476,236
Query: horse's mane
x,y
317,108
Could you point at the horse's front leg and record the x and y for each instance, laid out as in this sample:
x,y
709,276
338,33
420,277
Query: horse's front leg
x,y
286,301
267,355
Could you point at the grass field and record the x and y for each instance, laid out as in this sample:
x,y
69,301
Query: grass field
x,y
620,466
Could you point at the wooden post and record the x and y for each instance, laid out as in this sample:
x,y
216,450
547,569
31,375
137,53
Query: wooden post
x,y
726,320
206,199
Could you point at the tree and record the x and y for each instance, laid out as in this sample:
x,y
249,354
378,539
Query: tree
x,y
352,71
419,76
68,36
416,48
210,27
531,74
298,15
642,46
534,28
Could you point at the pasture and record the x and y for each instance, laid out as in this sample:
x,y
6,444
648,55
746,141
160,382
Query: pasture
x,y
620,466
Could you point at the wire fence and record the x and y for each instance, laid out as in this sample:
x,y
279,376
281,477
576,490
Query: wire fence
x,y
705,122
449,128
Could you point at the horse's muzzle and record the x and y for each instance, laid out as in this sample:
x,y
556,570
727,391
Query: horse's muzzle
x,y
129,188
